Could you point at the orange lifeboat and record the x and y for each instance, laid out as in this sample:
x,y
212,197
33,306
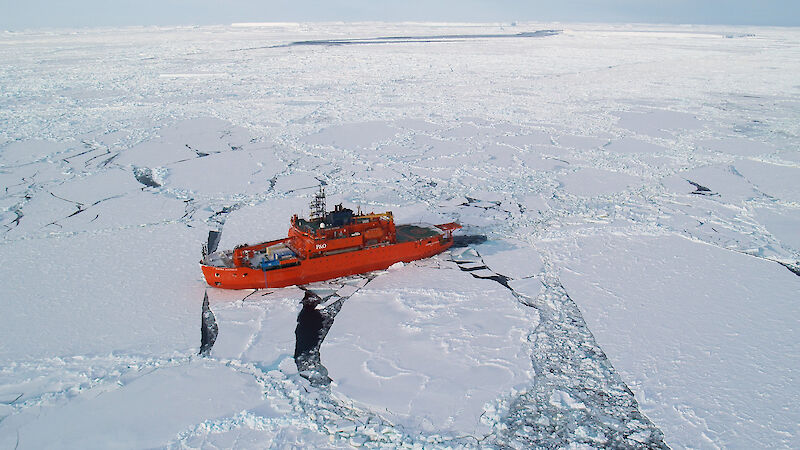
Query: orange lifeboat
x,y
329,245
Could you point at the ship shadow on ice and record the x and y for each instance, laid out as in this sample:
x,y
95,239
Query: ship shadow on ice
x,y
461,241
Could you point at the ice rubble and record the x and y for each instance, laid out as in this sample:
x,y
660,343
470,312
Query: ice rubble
x,y
579,154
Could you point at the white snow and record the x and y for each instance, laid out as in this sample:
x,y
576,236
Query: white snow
x,y
202,175
581,142
733,146
429,347
353,136
129,289
22,152
561,399
657,122
145,410
701,346
631,145
721,180
514,260
775,180
589,181
783,223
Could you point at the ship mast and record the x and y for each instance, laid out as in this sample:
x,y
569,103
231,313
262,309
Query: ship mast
x,y
318,205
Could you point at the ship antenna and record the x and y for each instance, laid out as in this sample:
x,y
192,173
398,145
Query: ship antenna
x,y
318,205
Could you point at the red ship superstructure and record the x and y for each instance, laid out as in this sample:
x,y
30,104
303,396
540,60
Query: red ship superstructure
x,y
328,245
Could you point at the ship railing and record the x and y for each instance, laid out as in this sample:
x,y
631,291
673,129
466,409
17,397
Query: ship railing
x,y
448,229
385,215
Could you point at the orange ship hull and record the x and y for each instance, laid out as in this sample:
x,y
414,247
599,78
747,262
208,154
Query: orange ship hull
x,y
327,245
325,267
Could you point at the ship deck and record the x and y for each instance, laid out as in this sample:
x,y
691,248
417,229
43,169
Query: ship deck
x,y
408,233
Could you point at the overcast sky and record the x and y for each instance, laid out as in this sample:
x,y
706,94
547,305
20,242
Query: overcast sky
x,y
24,14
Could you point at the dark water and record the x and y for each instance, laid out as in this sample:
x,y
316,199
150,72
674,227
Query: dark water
x,y
144,175
213,240
313,325
422,39
411,39
700,189
502,279
208,329
795,269
308,333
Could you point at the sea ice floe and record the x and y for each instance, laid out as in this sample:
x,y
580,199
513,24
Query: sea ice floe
x,y
658,122
629,145
581,142
783,223
589,181
514,261
735,146
700,346
156,153
430,358
259,329
721,179
778,181
523,141
105,291
146,410
206,176
23,152
206,135
353,136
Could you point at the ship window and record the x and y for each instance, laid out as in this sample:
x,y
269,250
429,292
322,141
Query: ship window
x,y
217,283
216,274
244,274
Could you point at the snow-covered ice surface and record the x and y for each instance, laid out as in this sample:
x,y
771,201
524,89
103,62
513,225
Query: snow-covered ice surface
x,y
428,351
700,344
639,187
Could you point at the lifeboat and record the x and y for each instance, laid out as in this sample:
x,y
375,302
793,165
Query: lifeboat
x,y
330,244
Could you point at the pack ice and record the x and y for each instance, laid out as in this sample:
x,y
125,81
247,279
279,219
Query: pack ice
x,y
628,276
